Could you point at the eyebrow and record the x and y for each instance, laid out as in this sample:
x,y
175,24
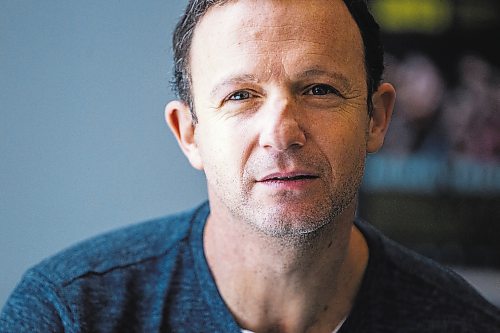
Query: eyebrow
x,y
315,72
233,80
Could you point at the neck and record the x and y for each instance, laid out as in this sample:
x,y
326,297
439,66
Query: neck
x,y
306,284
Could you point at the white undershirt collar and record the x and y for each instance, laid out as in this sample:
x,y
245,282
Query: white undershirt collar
x,y
334,331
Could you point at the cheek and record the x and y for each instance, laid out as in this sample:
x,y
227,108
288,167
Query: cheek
x,y
222,149
345,147
344,125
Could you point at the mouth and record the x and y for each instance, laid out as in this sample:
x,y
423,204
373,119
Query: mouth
x,y
288,177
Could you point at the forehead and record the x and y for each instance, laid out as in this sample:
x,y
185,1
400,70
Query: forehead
x,y
295,17
275,33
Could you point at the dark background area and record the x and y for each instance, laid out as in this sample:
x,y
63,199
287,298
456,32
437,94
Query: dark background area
x,y
435,186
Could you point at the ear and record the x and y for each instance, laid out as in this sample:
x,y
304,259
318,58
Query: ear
x,y
179,119
383,105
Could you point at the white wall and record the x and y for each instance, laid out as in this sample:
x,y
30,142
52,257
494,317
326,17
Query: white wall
x,y
83,144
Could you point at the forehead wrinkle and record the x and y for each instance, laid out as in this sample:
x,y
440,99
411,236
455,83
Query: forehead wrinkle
x,y
278,33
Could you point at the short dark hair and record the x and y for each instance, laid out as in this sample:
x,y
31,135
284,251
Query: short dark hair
x,y
196,9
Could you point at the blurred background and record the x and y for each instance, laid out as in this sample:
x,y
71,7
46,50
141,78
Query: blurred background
x,y
84,148
435,186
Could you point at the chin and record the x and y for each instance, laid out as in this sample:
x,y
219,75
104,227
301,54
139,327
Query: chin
x,y
303,217
291,222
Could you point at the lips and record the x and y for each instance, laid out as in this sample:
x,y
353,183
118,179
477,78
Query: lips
x,y
288,176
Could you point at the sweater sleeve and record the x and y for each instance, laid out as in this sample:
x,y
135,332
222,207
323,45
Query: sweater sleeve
x,y
34,306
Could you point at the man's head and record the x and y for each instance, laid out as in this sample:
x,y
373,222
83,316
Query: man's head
x,y
281,94
196,9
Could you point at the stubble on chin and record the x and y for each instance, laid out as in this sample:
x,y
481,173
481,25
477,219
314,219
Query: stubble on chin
x,y
286,222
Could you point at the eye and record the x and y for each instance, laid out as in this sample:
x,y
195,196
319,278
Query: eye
x,y
321,89
239,96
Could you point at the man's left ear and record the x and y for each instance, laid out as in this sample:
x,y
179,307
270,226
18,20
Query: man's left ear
x,y
383,105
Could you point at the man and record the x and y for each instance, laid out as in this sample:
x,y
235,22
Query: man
x,y
280,101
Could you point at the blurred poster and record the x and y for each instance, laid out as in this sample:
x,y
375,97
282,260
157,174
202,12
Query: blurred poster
x,y
439,169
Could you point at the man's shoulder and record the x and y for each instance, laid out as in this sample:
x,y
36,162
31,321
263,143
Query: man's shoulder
x,y
127,246
415,288
119,278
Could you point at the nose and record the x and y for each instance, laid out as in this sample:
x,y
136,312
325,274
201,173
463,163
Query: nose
x,y
280,126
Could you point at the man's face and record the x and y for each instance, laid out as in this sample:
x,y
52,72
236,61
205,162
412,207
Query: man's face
x,y
279,89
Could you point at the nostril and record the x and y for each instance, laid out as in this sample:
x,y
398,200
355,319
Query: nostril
x,y
282,135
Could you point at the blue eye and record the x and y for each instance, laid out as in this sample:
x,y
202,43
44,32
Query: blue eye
x,y
239,96
321,89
